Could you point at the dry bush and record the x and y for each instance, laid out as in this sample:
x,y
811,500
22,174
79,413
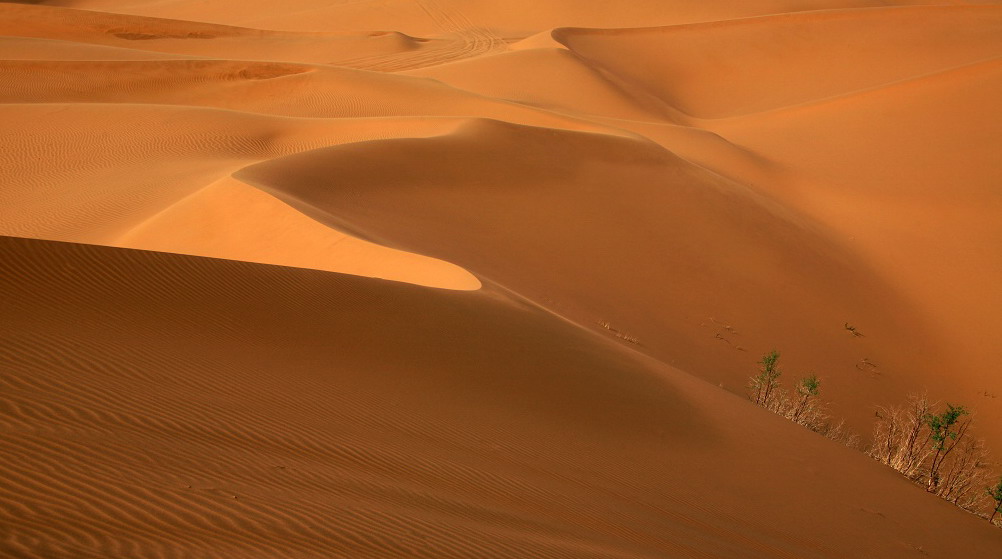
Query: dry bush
x,y
901,438
812,413
966,475
994,492
935,450
763,387
803,406
839,433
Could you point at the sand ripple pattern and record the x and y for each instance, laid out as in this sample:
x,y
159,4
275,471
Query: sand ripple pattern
x,y
117,444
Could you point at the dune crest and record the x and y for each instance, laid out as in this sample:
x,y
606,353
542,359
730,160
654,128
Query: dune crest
x,y
705,70
229,219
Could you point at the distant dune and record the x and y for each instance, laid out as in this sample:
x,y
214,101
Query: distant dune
x,y
443,278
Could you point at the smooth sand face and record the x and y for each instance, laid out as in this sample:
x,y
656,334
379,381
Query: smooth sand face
x,y
621,207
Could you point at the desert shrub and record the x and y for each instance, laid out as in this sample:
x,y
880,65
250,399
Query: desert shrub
x,y
900,439
995,492
840,433
946,434
803,405
934,449
965,474
762,387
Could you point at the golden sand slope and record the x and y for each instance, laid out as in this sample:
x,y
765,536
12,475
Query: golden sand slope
x,y
612,230
626,203
200,408
736,67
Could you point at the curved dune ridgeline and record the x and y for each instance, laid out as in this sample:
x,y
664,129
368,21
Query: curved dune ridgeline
x,y
457,278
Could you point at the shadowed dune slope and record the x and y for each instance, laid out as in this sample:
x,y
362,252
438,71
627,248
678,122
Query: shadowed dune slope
x,y
160,405
548,78
743,66
918,198
703,272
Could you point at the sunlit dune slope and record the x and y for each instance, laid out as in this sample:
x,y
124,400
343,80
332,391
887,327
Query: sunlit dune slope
x,y
201,408
240,222
148,177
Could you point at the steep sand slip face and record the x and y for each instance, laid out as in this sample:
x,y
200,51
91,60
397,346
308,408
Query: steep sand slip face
x,y
697,270
204,408
916,194
737,67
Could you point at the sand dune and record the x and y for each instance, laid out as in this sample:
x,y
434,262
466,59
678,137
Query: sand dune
x,y
520,18
144,182
258,87
641,222
384,50
731,68
443,278
574,86
229,218
488,428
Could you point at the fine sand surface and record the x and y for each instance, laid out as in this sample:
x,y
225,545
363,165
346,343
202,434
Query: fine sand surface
x,y
458,278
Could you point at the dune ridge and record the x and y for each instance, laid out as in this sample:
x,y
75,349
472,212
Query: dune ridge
x,y
655,216
899,43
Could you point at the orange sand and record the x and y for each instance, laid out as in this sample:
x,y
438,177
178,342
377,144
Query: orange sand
x,y
707,179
